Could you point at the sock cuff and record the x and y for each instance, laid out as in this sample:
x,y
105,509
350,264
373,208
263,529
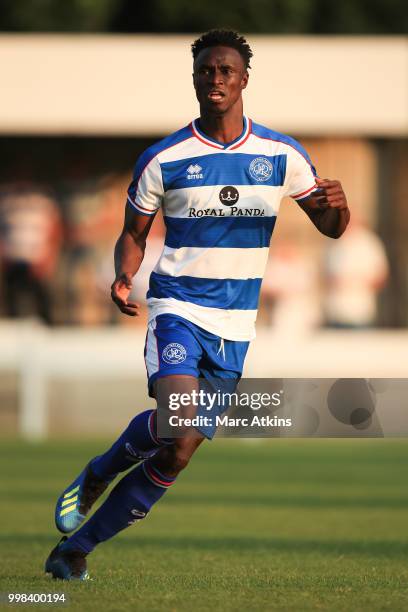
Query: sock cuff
x,y
156,477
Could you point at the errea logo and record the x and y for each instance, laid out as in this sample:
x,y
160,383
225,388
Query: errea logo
x,y
194,172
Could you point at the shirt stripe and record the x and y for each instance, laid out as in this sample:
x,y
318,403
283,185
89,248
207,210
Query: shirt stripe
x,y
206,263
235,324
221,232
193,203
217,293
220,169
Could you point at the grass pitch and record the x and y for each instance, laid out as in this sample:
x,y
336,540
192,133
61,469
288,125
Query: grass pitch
x,y
268,525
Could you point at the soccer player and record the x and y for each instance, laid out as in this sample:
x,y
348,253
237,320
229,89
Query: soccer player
x,y
219,182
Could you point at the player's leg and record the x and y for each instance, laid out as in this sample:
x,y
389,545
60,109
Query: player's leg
x,y
135,494
141,488
136,443
171,349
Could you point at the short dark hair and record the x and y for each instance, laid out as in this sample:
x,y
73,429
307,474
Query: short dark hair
x,y
223,38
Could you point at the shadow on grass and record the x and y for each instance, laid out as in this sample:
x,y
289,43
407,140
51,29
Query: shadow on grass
x,y
234,544
244,501
286,501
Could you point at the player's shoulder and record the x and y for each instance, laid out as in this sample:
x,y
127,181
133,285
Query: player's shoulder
x,y
165,143
261,131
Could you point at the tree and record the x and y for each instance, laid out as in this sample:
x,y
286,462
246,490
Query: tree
x,y
252,16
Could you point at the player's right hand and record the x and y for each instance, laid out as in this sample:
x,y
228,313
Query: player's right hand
x,y
120,290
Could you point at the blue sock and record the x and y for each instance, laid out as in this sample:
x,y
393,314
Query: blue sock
x,y
128,502
137,442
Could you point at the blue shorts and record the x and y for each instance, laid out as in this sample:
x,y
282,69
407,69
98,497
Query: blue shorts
x,y
176,346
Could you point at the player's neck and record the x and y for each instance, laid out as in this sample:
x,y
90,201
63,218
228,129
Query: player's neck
x,y
223,128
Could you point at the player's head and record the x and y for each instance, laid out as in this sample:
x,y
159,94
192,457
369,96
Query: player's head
x,y
220,69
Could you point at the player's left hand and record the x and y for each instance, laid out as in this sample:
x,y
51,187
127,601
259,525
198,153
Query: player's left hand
x,y
330,194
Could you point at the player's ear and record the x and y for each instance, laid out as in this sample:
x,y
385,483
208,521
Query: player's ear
x,y
245,78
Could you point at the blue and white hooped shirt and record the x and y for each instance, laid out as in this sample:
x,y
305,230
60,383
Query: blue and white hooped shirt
x,y
219,205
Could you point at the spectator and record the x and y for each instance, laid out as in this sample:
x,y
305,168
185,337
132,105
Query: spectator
x,y
30,240
290,290
356,269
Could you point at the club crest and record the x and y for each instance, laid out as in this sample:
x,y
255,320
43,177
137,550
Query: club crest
x,y
260,169
174,353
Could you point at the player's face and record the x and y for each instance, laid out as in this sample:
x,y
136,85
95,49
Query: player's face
x,y
219,77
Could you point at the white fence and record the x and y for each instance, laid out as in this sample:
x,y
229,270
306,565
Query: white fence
x,y
40,355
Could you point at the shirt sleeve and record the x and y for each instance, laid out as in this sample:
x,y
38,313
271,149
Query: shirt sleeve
x,y
301,176
146,192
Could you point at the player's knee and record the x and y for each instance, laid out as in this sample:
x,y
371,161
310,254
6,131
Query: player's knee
x,y
180,459
175,458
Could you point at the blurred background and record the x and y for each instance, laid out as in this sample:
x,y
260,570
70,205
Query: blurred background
x,y
86,87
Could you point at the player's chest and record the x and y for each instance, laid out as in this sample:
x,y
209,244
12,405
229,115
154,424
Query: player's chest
x,y
224,184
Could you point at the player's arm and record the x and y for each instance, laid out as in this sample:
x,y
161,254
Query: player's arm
x,y
327,208
129,253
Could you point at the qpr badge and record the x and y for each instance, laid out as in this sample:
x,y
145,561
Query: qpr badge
x,y
174,353
260,169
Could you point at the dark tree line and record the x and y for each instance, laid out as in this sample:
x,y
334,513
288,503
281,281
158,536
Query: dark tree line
x,y
255,16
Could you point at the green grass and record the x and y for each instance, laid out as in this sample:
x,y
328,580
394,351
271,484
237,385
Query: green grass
x,y
274,525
